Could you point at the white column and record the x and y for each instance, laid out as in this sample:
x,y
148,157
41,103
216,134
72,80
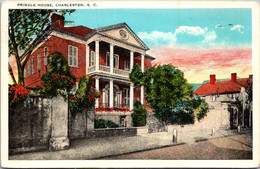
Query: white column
x,y
142,87
97,88
111,93
87,58
111,58
131,60
142,63
131,97
97,54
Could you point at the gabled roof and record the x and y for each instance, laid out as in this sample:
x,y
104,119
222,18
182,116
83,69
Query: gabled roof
x,y
121,25
78,30
223,87
84,33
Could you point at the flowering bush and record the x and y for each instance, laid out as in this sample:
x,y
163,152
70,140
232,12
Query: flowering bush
x,y
84,96
113,109
17,93
58,80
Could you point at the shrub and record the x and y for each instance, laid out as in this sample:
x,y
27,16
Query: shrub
x,y
84,96
58,80
16,94
139,115
101,123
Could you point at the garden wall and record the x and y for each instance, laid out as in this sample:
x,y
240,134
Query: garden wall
x,y
30,125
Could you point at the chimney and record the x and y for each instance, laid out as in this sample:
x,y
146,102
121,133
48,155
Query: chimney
x,y
57,20
212,78
233,77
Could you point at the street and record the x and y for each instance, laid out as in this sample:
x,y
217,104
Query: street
x,y
231,147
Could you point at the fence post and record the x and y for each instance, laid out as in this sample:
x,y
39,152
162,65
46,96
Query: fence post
x,y
59,131
174,137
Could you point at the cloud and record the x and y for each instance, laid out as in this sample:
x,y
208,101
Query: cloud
x,y
194,62
191,30
237,27
209,37
162,39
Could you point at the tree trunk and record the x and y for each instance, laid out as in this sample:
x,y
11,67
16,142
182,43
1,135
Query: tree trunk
x,y
11,73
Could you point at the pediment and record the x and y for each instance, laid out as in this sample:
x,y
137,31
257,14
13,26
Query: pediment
x,y
123,33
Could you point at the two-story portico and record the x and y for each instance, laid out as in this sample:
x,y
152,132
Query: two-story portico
x,y
111,53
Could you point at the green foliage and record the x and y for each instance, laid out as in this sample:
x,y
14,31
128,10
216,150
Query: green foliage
x,y
169,95
84,96
58,80
100,123
136,76
165,86
139,115
24,26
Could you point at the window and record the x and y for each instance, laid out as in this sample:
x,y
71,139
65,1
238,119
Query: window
x,y
213,98
73,56
116,60
45,55
24,72
127,65
29,68
92,63
126,97
32,66
38,61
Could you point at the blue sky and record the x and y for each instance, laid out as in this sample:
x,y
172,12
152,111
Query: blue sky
x,y
198,41
158,27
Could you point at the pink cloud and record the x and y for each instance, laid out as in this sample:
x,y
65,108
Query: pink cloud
x,y
198,60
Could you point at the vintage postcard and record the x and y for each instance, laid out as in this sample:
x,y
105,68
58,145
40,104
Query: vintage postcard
x,y
129,84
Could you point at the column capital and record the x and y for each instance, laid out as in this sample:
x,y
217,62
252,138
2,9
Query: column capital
x,y
112,45
97,40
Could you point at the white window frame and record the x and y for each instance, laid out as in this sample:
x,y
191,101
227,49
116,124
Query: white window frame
x,y
29,68
126,65
92,58
32,65
213,98
72,56
116,64
126,96
45,53
39,61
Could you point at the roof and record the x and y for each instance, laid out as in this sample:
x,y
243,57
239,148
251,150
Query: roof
x,y
78,30
223,87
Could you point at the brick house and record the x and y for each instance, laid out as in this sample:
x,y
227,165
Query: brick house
x,y
106,54
224,99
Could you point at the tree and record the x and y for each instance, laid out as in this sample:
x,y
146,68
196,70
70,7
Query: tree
x,y
58,80
24,26
168,94
139,115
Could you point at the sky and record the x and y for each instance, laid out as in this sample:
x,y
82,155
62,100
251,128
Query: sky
x,y
200,42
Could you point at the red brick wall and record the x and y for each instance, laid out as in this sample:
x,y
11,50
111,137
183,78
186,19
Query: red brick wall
x,y
60,45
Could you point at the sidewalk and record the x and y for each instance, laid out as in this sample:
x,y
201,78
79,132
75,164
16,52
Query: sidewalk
x,y
102,147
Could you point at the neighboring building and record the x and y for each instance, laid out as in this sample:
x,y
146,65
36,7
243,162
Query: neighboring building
x,y
106,54
229,103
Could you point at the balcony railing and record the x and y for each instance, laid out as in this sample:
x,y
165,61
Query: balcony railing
x,y
104,68
91,69
107,69
121,72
